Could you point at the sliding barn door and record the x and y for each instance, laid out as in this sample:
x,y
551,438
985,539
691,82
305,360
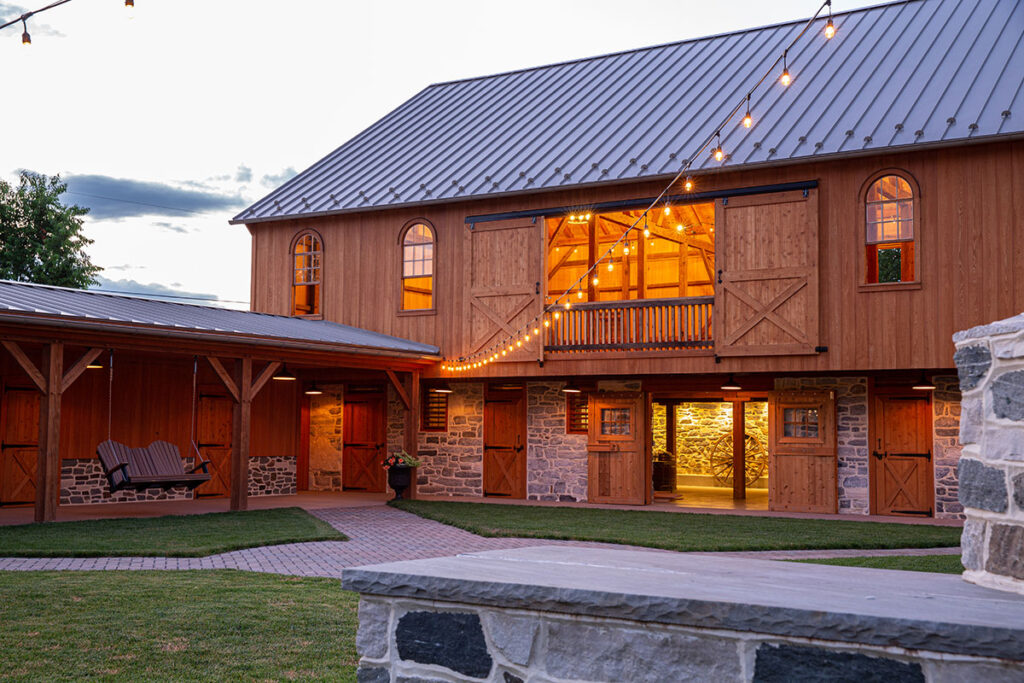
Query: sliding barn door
x,y
766,291
503,269
802,458
616,471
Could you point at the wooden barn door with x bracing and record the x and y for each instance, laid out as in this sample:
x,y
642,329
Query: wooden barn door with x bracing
x,y
766,291
19,444
364,435
901,463
802,454
503,266
214,416
504,466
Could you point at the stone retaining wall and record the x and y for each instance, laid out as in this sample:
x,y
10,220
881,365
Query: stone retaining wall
x,y
990,361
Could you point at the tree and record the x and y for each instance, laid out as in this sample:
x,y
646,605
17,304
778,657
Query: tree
x,y
41,238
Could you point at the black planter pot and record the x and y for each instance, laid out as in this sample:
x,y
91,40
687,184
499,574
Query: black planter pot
x,y
399,478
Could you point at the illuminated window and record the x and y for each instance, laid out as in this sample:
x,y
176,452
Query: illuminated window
x,y
418,268
889,237
307,254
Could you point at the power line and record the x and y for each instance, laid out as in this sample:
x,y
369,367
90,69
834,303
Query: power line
x,y
130,201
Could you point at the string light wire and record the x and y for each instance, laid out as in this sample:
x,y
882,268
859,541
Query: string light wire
x,y
23,18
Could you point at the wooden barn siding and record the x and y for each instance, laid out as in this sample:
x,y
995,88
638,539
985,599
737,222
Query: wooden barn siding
x,y
152,400
971,248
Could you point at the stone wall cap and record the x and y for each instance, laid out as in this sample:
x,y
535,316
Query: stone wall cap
x,y
1014,324
915,610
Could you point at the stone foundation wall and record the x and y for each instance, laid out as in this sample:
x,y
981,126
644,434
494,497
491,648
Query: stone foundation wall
x,y
990,362
851,438
453,460
325,439
946,446
82,482
556,462
414,640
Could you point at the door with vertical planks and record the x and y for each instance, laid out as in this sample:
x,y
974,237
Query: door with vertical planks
x,y
504,466
364,435
616,468
214,416
19,447
802,457
901,462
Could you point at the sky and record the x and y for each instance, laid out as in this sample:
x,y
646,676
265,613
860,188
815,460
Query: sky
x,y
168,119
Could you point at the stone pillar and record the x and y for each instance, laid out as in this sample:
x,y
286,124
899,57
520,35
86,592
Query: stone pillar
x,y
990,362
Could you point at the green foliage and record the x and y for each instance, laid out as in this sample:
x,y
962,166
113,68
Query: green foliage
x,y
172,536
41,238
683,531
941,564
889,264
175,626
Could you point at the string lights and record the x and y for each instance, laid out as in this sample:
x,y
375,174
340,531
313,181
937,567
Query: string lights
x,y
26,39
552,311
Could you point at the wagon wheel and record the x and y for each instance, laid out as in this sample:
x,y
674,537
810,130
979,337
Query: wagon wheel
x,y
720,458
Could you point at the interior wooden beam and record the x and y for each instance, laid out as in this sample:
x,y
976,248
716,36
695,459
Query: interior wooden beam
x,y
265,376
26,364
739,451
400,389
48,461
554,235
229,383
561,262
78,368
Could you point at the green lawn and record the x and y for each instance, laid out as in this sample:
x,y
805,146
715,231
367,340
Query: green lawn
x,y
177,536
198,625
679,530
942,564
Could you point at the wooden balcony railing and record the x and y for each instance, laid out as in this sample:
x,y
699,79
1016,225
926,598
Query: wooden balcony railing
x,y
645,324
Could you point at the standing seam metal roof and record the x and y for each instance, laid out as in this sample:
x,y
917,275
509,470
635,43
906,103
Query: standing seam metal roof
x,y
901,75
98,307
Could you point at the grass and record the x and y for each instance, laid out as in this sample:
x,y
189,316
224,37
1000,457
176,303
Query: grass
x,y
172,536
197,625
678,530
941,564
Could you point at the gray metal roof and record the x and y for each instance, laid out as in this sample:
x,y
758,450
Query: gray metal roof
x,y
21,300
901,75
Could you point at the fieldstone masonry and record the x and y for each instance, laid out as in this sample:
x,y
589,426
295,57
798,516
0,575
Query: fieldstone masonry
x,y
272,475
453,460
946,446
325,439
556,463
990,360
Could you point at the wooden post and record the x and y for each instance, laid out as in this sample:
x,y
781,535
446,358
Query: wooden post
x,y
412,424
241,434
591,257
48,463
739,451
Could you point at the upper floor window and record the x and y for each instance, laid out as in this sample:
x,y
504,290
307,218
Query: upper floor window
x,y
889,239
418,268
307,255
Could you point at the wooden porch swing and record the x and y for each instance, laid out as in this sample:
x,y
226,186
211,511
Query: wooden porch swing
x,y
158,465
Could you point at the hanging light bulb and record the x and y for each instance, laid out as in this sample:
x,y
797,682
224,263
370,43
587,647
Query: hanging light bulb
x,y
625,249
688,185
130,4
567,304
610,267
594,281
830,28
558,315
785,79
718,153
519,342
667,209
547,323
26,39
748,120
536,330
647,232
679,227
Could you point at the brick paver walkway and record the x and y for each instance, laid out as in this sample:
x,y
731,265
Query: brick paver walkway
x,y
376,534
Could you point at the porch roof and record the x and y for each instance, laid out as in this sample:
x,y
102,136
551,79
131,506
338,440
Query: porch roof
x,y
45,305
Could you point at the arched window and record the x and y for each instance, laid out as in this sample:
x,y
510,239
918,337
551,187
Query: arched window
x,y
307,256
418,268
889,238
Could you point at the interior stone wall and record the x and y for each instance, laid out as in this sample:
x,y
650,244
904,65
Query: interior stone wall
x,y
946,445
326,412
556,462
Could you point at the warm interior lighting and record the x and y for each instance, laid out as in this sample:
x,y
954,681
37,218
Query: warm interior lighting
x,y
571,388
441,389
283,375
830,29
731,385
313,390
679,227
924,384
94,366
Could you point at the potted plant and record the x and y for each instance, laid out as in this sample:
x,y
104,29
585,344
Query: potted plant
x,y
399,466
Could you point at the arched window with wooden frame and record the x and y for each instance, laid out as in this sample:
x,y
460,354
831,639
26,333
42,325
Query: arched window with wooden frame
x,y
891,223
418,240
307,274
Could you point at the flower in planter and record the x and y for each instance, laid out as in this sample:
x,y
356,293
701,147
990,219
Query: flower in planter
x,y
399,459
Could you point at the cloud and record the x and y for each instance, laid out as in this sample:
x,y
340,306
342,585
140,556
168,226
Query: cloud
x,y
153,289
244,174
9,11
170,227
273,180
115,198
125,266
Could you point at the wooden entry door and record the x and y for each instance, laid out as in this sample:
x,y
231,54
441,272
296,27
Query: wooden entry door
x,y
802,455
504,467
364,435
213,436
901,462
19,445
616,471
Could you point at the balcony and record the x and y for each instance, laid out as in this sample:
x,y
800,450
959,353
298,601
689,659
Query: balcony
x,y
648,324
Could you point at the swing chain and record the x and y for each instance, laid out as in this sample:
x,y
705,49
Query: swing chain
x,y
110,392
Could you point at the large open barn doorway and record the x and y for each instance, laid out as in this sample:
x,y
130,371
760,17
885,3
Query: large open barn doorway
x,y
696,460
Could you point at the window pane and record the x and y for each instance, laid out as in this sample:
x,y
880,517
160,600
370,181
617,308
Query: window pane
x,y
615,421
889,264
